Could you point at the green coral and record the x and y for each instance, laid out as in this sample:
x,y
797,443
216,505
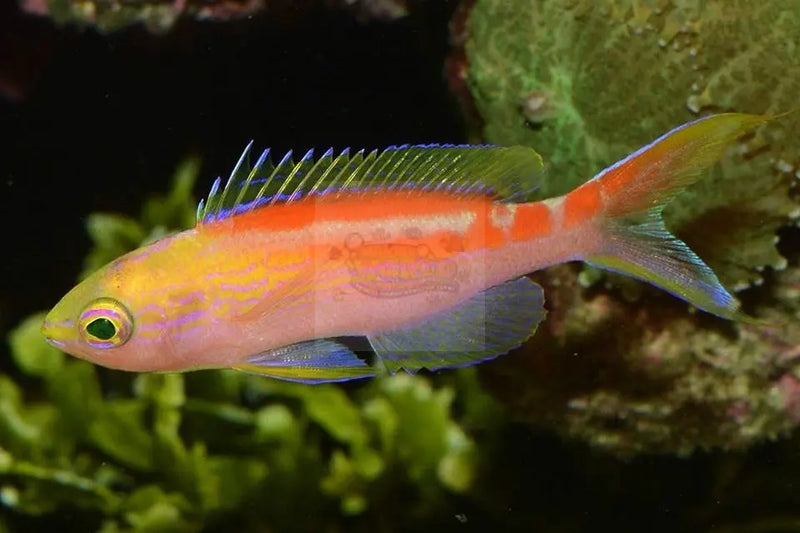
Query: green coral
x,y
218,449
618,73
619,364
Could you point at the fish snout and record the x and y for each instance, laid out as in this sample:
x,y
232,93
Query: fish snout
x,y
57,332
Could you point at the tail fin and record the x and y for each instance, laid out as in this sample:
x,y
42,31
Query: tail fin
x,y
634,193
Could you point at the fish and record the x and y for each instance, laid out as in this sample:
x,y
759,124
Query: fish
x,y
422,250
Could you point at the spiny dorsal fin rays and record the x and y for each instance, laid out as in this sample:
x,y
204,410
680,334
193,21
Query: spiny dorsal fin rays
x,y
344,178
248,182
281,172
339,169
369,172
387,169
296,174
323,162
337,166
217,205
239,171
350,180
508,173
419,168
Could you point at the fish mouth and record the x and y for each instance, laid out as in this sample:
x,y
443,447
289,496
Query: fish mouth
x,y
55,343
57,332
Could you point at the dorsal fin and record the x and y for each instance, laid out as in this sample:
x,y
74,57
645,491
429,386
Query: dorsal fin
x,y
505,172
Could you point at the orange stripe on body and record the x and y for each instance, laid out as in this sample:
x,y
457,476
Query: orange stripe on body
x,y
349,207
581,204
532,221
483,233
366,207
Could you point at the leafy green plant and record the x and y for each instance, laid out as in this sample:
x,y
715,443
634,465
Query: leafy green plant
x,y
188,452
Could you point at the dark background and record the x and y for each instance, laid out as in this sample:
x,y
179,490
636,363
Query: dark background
x,y
99,123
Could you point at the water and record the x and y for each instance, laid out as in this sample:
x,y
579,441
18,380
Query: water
x,y
627,410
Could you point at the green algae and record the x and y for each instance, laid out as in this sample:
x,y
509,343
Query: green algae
x,y
189,452
617,74
618,364
632,374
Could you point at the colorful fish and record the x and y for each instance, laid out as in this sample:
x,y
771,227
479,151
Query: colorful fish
x,y
420,249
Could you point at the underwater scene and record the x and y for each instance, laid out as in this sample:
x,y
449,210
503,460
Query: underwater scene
x,y
400,265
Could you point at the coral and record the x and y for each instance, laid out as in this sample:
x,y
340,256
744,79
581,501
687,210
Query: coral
x,y
156,15
632,378
375,9
189,452
618,364
617,74
159,16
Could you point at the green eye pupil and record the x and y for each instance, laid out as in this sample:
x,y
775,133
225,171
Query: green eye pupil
x,y
101,328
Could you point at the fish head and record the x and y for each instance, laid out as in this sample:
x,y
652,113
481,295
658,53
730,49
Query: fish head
x,y
120,317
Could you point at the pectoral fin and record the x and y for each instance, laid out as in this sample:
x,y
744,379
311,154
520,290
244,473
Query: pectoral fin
x,y
317,361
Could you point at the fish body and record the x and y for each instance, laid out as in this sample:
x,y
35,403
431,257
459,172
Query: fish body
x,y
422,250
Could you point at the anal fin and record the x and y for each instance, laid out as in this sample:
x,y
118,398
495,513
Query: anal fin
x,y
489,324
317,361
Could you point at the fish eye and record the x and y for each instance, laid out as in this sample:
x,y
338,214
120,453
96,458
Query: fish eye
x,y
105,323
102,328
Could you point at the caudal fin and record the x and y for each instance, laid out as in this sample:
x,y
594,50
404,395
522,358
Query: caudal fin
x,y
635,191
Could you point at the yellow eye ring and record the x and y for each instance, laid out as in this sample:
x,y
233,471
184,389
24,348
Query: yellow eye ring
x,y
105,323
